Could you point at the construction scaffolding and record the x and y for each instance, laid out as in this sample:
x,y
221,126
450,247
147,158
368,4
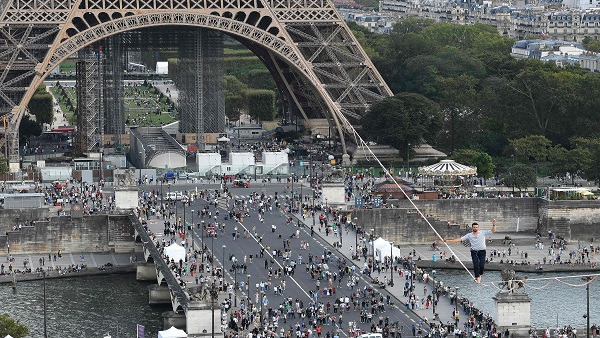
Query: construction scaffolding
x,y
114,122
201,96
90,97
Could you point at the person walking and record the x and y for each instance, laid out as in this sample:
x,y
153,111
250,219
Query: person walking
x,y
477,240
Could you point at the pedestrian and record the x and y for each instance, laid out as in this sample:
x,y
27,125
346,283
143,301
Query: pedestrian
x,y
477,240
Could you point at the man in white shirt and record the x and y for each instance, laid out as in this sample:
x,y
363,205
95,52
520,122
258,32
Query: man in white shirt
x,y
477,240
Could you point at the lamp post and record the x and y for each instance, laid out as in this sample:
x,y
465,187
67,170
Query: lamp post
x,y
45,330
434,295
224,247
184,222
341,232
248,293
192,228
355,234
391,263
262,293
372,235
202,237
412,276
456,308
235,285
588,280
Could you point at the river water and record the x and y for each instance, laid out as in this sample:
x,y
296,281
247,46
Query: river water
x,y
84,306
93,306
555,302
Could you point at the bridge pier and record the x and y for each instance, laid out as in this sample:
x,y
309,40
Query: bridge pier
x,y
198,319
145,271
159,294
171,318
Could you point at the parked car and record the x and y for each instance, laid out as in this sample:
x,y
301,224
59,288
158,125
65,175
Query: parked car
x,y
241,184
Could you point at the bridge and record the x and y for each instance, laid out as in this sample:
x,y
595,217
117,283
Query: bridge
x,y
193,315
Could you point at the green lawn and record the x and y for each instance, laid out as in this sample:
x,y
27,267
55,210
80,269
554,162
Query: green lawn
x,y
143,106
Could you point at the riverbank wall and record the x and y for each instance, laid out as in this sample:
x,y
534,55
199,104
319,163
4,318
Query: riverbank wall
x,y
93,233
572,220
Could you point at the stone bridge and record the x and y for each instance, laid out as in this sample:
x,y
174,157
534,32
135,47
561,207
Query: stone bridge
x,y
188,314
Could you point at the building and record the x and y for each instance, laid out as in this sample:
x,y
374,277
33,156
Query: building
x,y
539,49
152,147
243,163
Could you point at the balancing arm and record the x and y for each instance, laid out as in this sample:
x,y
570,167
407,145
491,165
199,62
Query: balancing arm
x,y
454,240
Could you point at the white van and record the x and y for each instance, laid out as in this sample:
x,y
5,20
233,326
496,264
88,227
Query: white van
x,y
371,335
174,196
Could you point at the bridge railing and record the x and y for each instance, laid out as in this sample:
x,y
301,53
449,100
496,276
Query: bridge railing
x,y
174,287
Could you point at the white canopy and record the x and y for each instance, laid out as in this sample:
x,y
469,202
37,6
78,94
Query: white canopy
x,y
223,139
448,168
172,333
8,336
387,250
175,251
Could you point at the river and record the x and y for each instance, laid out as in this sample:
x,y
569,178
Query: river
x,y
84,306
555,302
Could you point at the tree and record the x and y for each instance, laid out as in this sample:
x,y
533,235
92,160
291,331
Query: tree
x,y
41,105
261,104
481,160
572,162
9,326
533,147
591,149
402,121
29,128
3,167
520,176
233,106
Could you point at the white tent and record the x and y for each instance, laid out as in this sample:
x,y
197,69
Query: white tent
x,y
223,139
172,333
8,336
385,251
377,245
175,251
162,67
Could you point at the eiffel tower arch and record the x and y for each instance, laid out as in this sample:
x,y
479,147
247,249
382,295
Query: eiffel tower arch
x,y
304,43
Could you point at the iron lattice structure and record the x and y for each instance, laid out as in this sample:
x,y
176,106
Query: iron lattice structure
x,y
90,96
113,87
200,83
306,38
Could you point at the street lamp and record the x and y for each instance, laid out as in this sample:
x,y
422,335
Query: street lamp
x,y
392,264
235,284
202,236
372,235
192,228
433,272
224,246
248,293
456,308
355,233
588,280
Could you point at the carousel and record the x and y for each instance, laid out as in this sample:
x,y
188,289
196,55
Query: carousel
x,y
448,173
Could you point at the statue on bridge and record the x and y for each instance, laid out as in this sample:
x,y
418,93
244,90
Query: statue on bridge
x,y
512,282
333,174
126,178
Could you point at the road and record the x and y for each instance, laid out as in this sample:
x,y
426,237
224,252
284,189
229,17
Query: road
x,y
300,287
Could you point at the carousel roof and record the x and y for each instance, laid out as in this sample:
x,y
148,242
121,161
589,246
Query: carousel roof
x,y
448,168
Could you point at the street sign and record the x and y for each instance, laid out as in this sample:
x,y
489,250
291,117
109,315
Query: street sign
x,y
358,202
377,200
301,163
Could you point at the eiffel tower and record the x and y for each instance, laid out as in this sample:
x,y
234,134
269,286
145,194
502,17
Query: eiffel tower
x,y
305,44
